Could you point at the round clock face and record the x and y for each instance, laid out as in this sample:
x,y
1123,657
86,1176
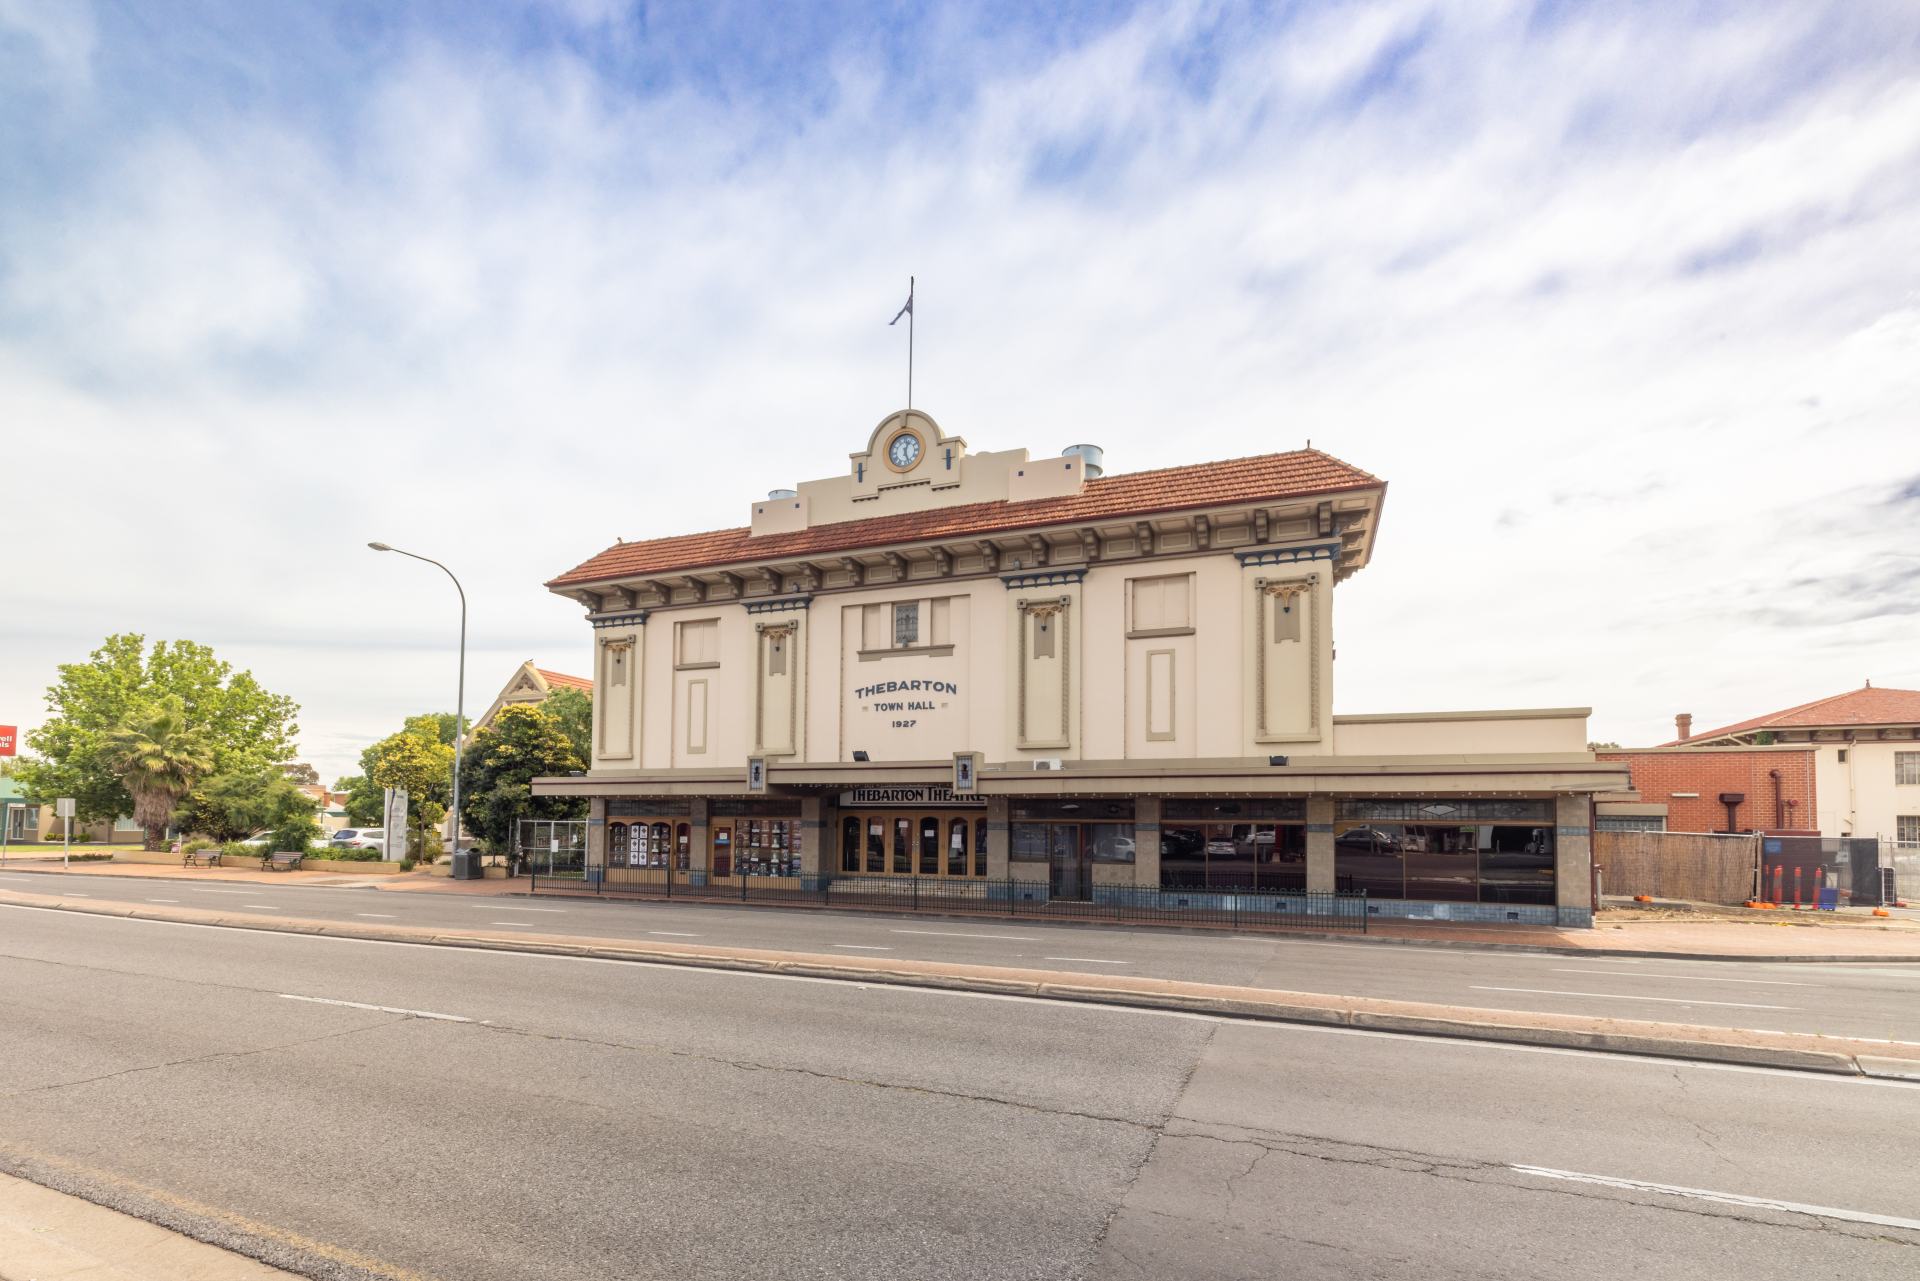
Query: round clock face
x,y
904,451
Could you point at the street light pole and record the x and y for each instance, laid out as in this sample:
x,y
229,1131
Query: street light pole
x,y
460,695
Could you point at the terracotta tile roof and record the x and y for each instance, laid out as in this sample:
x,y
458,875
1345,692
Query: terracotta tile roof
x,y
1867,706
1303,471
561,680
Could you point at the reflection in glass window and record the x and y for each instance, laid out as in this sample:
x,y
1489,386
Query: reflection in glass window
x,y
980,847
902,846
876,845
957,847
850,844
929,847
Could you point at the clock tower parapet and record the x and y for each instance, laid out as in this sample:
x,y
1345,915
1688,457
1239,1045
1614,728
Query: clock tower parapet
x,y
909,464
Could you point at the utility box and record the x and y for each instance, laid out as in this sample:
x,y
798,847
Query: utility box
x,y
466,865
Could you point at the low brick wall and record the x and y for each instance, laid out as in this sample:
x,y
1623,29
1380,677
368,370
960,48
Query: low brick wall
x,y
163,858
1684,865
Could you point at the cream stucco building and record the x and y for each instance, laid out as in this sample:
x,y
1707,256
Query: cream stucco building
x,y
1139,669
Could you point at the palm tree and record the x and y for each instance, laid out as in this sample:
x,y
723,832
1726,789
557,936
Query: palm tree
x,y
159,758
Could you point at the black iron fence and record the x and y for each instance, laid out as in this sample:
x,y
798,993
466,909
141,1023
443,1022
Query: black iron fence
x,y
1228,909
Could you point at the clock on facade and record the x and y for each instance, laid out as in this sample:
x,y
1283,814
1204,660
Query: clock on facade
x,y
903,451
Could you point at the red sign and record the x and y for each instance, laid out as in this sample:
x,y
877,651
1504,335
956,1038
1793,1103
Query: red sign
x,y
9,735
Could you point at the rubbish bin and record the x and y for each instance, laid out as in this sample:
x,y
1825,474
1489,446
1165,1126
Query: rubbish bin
x,y
466,865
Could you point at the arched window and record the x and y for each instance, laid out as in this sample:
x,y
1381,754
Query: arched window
x,y
683,846
876,845
850,843
660,846
616,845
957,847
979,847
902,846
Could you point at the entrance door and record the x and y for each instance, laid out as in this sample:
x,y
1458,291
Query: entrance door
x,y
723,850
1070,876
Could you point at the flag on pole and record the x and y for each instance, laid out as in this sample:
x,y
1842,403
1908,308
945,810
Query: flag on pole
x,y
906,308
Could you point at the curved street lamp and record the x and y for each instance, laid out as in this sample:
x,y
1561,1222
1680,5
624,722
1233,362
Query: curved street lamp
x,y
460,695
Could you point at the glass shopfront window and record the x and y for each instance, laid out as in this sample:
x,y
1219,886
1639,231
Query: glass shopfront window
x,y
942,844
1491,851
1233,856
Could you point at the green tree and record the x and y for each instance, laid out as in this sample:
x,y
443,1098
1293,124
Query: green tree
x,y
232,715
302,773
424,767
524,742
364,801
573,708
242,801
158,756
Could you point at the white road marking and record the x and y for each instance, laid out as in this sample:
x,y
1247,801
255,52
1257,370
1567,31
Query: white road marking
x,y
863,947
949,934
271,907
522,909
1627,1061
1086,960
519,925
163,900
74,894
385,916
1691,978
677,934
1622,996
1725,1198
382,1009
198,890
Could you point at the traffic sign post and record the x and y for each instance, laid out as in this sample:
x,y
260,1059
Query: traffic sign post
x,y
63,808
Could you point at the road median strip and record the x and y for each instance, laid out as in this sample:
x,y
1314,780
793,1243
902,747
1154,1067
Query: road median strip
x,y
1792,1051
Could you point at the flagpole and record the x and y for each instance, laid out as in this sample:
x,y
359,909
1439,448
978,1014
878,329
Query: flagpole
x,y
909,342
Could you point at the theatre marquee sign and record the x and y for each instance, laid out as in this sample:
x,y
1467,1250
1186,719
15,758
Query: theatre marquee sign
x,y
912,796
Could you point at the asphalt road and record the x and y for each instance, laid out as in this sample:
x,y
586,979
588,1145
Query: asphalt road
x,y
384,1110
1855,1000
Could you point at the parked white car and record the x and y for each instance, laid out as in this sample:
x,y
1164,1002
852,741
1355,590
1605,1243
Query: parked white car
x,y
361,838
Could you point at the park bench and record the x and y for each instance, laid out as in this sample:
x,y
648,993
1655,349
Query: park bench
x,y
202,858
283,861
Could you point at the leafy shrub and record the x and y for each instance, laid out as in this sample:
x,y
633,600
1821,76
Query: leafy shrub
x,y
91,858
407,864
238,849
298,832
345,854
195,845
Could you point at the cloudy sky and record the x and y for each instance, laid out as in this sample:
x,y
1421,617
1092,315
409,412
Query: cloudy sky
x,y
1620,298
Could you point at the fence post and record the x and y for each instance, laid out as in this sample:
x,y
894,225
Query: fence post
x,y
916,894
1236,914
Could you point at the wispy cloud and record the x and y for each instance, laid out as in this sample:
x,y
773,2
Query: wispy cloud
x,y
1613,295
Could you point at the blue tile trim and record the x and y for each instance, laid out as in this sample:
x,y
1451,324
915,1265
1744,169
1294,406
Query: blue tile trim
x,y
778,604
1567,829
1042,578
1320,827
1289,555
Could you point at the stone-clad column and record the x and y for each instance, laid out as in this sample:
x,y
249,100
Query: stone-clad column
x,y
997,844
1573,860
1320,867
816,860
702,851
596,837
1146,842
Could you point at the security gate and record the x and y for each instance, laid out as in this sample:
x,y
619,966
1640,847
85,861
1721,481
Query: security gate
x,y
552,847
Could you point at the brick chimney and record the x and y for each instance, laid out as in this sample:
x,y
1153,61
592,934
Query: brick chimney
x,y
1683,723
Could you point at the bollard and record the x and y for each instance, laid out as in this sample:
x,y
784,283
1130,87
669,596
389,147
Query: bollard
x,y
1779,874
1796,888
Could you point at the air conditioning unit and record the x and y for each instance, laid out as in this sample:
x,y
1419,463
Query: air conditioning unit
x,y
1046,763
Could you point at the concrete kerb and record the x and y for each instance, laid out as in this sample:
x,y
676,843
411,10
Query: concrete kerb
x,y
1290,932
1786,1051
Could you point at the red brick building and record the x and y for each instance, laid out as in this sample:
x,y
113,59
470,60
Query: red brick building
x,y
1681,788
